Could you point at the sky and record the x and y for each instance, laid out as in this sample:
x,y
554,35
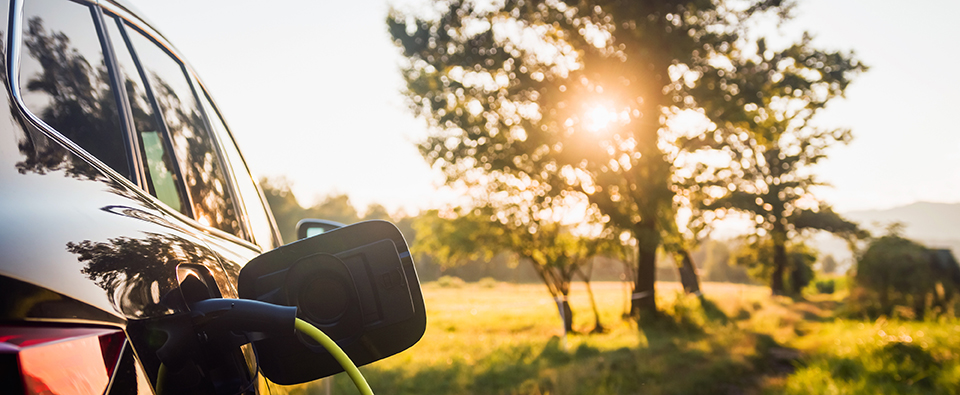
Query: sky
x,y
312,92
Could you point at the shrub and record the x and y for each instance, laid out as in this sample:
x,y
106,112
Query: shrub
x,y
825,286
450,282
488,282
893,272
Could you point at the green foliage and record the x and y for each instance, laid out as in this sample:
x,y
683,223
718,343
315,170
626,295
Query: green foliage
x,y
533,229
488,282
771,144
376,211
897,272
714,258
455,240
825,286
287,211
450,282
881,358
335,208
580,97
758,255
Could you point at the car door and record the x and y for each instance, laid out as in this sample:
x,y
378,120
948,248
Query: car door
x,y
217,196
108,196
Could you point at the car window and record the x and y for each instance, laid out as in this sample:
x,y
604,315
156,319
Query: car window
x,y
65,82
193,146
260,223
162,179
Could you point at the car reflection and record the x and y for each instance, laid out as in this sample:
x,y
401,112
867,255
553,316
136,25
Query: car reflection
x,y
139,274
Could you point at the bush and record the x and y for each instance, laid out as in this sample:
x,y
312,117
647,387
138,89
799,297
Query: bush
x,y
488,282
450,282
825,286
894,272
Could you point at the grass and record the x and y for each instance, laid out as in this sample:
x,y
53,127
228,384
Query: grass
x,y
507,339
882,357
499,338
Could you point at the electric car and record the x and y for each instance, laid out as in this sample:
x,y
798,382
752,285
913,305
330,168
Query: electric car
x,y
125,204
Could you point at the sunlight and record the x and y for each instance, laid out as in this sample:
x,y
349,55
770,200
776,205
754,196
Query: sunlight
x,y
599,118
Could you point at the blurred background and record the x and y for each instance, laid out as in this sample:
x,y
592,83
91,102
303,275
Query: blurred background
x,y
381,110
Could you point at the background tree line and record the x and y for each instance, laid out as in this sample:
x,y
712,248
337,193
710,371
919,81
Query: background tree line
x,y
891,275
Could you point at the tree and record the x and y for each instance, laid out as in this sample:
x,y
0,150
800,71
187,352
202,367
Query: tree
x,y
286,210
576,94
376,211
715,258
529,225
606,245
894,271
771,144
758,255
335,207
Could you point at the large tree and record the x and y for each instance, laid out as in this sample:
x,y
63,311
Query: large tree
x,y
577,94
772,142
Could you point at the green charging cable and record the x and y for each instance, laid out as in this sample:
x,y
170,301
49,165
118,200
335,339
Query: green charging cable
x,y
337,353
161,378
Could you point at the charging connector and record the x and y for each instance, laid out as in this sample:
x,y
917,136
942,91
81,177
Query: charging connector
x,y
217,325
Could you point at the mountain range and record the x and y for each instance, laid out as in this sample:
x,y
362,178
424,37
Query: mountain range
x,y
935,225
923,220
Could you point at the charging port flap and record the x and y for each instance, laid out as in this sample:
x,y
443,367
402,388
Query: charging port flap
x,y
356,283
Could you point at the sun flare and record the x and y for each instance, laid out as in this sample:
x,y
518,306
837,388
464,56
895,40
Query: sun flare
x,y
600,118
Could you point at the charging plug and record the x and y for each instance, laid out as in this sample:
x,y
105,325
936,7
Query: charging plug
x,y
218,325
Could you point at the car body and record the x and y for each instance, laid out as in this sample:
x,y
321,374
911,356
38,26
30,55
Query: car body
x,y
123,198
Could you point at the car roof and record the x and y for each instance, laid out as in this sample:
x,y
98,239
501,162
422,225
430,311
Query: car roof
x,y
136,13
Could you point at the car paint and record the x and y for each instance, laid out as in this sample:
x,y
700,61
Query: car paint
x,y
80,244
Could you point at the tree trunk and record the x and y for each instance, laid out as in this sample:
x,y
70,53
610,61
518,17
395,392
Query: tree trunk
x,y
885,300
688,273
779,262
597,326
566,314
796,278
644,303
628,293
558,289
627,280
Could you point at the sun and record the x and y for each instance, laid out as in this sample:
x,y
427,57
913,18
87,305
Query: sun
x,y
600,118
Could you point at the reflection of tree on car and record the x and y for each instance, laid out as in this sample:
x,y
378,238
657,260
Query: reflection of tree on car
x,y
80,103
187,130
76,99
135,287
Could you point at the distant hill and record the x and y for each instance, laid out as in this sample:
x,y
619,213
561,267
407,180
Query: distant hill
x,y
923,220
936,225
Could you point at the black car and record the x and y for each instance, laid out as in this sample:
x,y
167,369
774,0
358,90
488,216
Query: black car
x,y
128,216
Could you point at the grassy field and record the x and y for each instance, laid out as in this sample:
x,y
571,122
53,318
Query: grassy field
x,y
508,339
882,357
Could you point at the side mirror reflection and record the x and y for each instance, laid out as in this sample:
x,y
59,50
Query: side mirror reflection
x,y
309,227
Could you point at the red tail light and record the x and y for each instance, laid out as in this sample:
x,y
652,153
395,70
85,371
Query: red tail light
x,y
59,359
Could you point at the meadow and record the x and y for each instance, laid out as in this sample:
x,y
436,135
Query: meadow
x,y
499,338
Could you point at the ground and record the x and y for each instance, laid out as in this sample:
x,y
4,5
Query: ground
x,y
497,338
